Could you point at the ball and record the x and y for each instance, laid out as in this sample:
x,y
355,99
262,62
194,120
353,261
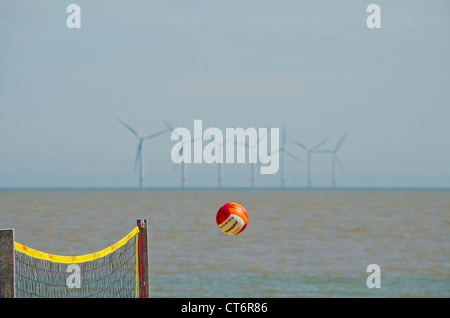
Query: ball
x,y
232,218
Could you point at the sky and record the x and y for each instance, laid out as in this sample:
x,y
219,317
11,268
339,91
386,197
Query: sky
x,y
312,65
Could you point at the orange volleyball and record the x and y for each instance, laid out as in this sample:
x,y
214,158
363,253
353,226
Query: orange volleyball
x,y
232,218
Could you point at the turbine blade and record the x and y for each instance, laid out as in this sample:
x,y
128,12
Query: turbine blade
x,y
242,144
276,151
167,125
138,155
181,150
295,157
320,144
340,142
128,127
298,144
170,128
156,134
283,142
339,163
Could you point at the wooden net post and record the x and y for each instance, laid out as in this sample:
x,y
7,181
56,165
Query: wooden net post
x,y
144,285
7,279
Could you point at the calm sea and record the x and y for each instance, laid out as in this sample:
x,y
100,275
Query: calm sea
x,y
299,243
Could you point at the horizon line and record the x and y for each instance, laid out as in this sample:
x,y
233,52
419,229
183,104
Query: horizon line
x,y
229,188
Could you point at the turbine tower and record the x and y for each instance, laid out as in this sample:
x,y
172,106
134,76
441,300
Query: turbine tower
x,y
183,167
220,164
283,152
283,159
334,160
140,150
253,166
181,154
309,151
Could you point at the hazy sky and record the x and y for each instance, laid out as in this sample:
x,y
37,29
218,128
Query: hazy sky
x,y
313,65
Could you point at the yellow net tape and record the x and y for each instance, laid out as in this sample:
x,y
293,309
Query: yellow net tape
x,y
136,268
74,259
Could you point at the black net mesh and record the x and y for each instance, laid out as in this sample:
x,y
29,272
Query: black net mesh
x,y
113,275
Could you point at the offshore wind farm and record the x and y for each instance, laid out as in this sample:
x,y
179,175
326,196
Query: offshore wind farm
x,y
183,151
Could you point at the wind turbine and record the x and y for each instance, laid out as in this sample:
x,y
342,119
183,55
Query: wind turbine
x,y
283,151
140,150
183,167
334,160
295,157
309,151
181,154
254,165
283,159
220,164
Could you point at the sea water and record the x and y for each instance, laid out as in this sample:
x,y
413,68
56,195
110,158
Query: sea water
x,y
298,243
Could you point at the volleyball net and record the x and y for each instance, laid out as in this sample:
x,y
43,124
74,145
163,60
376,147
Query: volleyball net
x,y
118,271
